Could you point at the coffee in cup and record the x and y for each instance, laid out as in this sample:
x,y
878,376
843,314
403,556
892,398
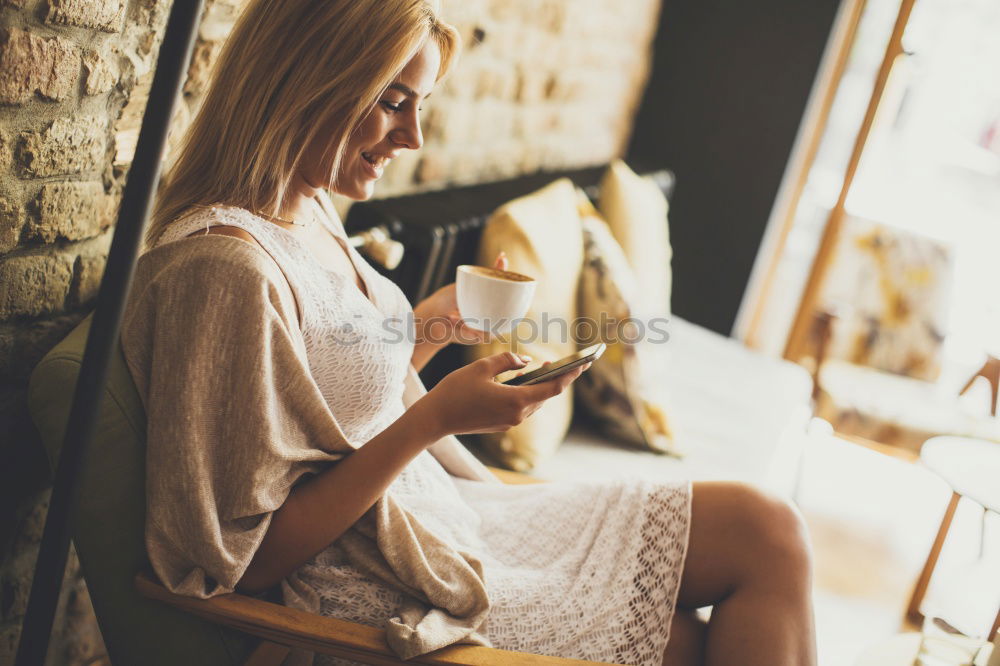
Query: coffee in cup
x,y
490,299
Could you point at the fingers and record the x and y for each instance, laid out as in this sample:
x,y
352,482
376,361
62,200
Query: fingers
x,y
500,263
532,397
498,363
570,377
545,390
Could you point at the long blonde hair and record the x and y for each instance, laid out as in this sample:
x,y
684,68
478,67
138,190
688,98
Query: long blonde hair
x,y
289,69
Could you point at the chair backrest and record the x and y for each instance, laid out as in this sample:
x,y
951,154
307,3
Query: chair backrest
x,y
890,288
108,518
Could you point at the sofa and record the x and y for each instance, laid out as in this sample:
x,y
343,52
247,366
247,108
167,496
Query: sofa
x,y
736,414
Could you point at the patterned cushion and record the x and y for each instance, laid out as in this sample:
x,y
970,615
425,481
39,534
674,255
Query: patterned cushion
x,y
614,392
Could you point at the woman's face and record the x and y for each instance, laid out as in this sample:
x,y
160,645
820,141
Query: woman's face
x,y
391,126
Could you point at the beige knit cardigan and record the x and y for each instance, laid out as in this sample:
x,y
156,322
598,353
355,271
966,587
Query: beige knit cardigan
x,y
213,340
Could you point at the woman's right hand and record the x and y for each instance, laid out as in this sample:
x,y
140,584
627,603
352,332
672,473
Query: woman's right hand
x,y
469,400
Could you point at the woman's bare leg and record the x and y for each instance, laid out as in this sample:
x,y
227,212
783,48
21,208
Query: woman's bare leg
x,y
748,557
686,646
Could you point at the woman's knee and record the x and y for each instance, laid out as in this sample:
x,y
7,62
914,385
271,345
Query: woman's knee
x,y
740,536
766,534
776,535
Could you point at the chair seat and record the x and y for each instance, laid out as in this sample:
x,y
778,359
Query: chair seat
x,y
897,410
327,635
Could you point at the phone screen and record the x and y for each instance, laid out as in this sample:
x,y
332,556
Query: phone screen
x,y
560,367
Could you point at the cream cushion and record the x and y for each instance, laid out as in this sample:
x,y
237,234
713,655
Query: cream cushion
x,y
615,393
636,211
540,233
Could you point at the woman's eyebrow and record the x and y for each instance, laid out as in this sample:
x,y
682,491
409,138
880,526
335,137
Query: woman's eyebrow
x,y
406,90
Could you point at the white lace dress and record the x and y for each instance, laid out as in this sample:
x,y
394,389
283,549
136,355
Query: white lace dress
x,y
586,570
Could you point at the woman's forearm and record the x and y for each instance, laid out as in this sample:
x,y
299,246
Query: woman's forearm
x,y
319,510
431,337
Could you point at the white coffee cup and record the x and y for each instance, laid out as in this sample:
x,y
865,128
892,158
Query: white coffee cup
x,y
490,299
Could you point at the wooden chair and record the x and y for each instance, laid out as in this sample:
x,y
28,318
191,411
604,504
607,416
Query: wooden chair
x,y
969,467
143,623
991,373
876,341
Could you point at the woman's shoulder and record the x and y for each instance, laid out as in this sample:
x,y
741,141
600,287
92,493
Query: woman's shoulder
x,y
213,221
202,219
216,258
211,278
231,231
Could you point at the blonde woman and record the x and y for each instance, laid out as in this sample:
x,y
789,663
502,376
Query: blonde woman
x,y
290,443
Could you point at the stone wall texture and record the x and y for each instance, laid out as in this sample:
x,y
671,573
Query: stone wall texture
x,y
542,85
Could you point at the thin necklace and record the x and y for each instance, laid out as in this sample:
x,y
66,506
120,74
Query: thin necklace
x,y
275,218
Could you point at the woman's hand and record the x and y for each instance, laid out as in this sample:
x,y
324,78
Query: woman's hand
x,y
438,322
470,400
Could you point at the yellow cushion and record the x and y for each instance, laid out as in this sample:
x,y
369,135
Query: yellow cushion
x,y
636,211
616,393
540,234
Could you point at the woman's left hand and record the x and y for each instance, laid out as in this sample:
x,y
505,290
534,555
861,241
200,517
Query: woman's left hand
x,y
438,322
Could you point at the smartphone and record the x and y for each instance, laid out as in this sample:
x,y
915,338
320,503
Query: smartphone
x,y
560,367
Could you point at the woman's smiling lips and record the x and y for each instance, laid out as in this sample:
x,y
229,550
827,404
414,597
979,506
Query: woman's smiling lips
x,y
375,164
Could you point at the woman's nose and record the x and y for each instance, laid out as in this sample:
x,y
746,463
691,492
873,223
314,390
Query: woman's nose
x,y
408,134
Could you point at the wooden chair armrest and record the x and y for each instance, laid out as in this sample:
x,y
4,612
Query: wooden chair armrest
x,y
515,478
298,629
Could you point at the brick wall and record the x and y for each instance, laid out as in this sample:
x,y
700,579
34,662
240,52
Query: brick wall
x,y
539,87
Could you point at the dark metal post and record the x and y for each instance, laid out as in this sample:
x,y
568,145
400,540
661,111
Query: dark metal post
x,y
171,67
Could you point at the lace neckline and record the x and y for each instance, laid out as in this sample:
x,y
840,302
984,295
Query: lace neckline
x,y
367,293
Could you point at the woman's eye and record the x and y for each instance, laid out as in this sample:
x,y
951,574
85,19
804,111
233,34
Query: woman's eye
x,y
390,106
